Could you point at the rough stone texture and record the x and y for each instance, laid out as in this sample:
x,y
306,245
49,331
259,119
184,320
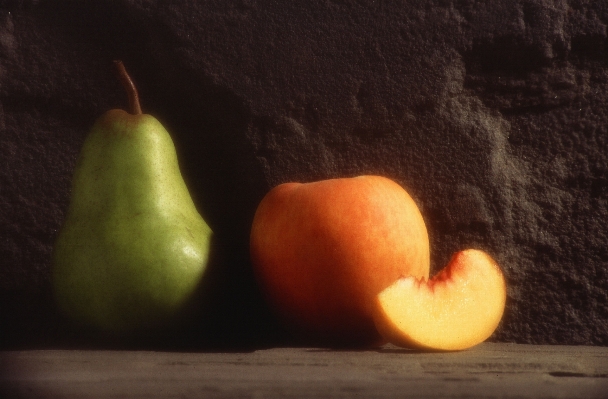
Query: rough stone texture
x,y
492,114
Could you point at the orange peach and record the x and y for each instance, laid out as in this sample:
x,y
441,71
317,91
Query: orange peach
x,y
322,251
458,308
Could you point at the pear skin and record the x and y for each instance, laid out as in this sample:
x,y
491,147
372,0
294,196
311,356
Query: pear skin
x,y
133,249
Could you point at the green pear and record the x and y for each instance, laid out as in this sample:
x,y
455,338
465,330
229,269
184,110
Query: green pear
x,y
133,249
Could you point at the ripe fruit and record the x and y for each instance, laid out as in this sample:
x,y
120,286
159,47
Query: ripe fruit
x,y
133,249
322,251
458,308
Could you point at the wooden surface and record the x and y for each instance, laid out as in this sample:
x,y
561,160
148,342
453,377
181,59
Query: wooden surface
x,y
486,371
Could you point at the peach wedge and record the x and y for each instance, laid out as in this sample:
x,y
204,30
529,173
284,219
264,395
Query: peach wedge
x,y
458,308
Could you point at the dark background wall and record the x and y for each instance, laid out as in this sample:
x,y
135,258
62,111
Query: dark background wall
x,y
492,114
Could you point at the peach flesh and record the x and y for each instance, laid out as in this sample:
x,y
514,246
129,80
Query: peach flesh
x,y
458,308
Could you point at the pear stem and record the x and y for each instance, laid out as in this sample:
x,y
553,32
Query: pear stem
x,y
127,83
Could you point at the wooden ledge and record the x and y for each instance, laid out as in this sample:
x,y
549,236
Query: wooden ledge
x,y
490,370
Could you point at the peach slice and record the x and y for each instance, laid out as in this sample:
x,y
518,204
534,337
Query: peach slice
x,y
458,308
